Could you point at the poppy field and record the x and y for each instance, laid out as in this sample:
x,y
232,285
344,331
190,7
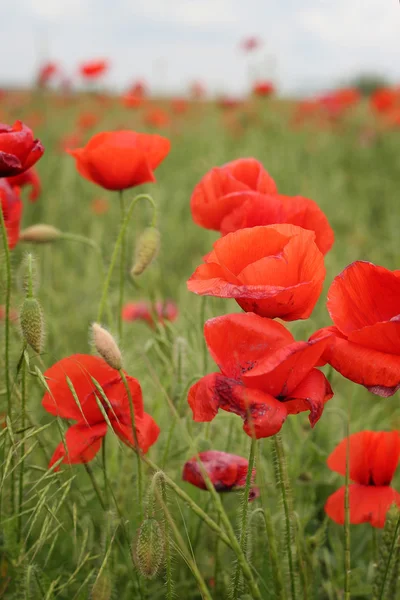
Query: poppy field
x,y
200,345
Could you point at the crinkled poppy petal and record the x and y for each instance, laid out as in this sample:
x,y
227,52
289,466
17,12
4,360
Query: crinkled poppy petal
x,y
9,164
251,209
238,342
281,372
156,148
82,444
377,371
210,280
251,172
384,337
307,214
368,504
363,294
311,394
79,368
359,453
147,432
203,399
16,140
226,471
119,400
34,155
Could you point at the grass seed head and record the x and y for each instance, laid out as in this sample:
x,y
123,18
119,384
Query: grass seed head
x,y
106,346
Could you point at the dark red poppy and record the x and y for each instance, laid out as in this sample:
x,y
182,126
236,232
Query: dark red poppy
x,y
47,72
30,178
274,271
211,199
18,149
251,43
265,374
11,205
374,456
83,440
364,304
117,160
227,472
145,311
93,69
263,88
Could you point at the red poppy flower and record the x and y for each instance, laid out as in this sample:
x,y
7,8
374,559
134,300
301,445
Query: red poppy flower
x,y
212,197
117,160
131,101
145,311
227,472
274,271
18,149
180,106
374,456
228,103
157,117
83,440
263,88
138,89
364,304
250,209
47,72
30,178
87,120
11,205
265,374
385,99
93,69
71,141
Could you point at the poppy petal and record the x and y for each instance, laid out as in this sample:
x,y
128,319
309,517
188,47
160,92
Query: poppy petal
x,y
312,394
147,432
368,504
82,444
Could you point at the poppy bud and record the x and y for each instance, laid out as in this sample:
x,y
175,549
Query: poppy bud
x,y
40,234
146,250
32,323
149,550
106,346
102,588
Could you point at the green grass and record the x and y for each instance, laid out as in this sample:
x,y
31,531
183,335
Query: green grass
x,y
70,547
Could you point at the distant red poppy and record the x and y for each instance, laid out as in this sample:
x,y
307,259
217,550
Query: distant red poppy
x,y
46,72
374,456
265,374
157,117
30,178
117,160
132,101
263,88
212,197
11,206
83,440
228,102
145,311
93,69
251,43
364,304
227,472
138,89
18,149
385,99
87,120
180,106
274,271
71,141
100,206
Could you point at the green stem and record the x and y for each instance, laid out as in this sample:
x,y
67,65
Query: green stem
x,y
285,488
117,247
95,486
104,465
347,557
245,512
168,562
22,467
7,338
137,447
121,266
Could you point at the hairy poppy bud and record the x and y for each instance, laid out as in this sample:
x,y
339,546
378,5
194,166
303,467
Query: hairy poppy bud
x,y
102,588
146,250
106,346
32,323
40,234
149,551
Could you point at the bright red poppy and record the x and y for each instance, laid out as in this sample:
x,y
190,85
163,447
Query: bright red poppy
x,y
93,69
18,149
374,456
364,304
117,160
212,197
83,440
131,101
145,311
227,472
384,100
11,206
30,178
265,375
263,88
46,72
273,271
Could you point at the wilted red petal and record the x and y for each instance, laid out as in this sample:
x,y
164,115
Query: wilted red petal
x,y
82,442
226,471
368,504
311,394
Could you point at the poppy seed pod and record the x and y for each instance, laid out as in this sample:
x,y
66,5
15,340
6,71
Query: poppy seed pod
x,y
147,249
149,550
106,346
32,323
40,234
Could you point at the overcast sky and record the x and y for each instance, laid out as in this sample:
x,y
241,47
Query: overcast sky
x,y
308,44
